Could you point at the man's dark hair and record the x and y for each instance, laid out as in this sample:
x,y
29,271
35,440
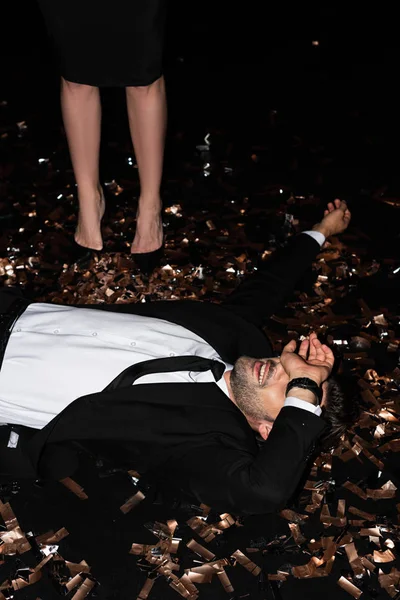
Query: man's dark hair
x,y
341,410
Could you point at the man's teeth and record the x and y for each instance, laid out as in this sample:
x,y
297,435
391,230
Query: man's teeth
x,y
261,375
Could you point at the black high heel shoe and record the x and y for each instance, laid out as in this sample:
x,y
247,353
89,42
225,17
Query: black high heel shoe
x,y
81,257
146,262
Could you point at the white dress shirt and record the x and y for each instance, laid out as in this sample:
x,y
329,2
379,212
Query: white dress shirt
x,y
56,354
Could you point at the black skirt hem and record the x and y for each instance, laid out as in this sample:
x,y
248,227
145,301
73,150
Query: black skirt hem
x,y
117,83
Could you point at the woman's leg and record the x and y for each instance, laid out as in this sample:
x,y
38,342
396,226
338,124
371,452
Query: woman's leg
x,y
81,111
147,112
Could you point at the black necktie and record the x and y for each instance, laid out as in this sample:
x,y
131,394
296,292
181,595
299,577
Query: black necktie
x,y
166,365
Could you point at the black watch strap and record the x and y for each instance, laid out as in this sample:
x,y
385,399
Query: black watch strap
x,y
306,384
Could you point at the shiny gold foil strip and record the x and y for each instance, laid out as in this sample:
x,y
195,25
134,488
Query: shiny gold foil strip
x,y
378,463
16,546
369,398
132,502
383,556
354,451
206,509
50,537
205,530
329,547
74,487
246,563
370,531
352,487
388,415
176,584
367,563
185,580
316,501
146,589
354,559
172,524
211,566
42,563
74,582
346,539
296,533
84,590
166,567
308,570
200,550
390,581
339,521
393,445
329,564
349,587
387,491
174,545
14,540
277,577
226,583
362,514
8,516
293,516
196,577
76,568
139,549
226,521
19,583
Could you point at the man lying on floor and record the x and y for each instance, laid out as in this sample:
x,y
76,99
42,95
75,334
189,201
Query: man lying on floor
x,y
178,390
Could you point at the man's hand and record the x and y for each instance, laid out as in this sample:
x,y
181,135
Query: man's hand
x,y
314,360
336,219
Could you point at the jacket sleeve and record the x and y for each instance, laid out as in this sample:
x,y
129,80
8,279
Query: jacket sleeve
x,y
236,481
265,291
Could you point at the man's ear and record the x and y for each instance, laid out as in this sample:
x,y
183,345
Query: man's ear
x,y
264,429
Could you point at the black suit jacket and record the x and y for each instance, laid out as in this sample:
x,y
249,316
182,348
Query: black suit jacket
x,y
192,435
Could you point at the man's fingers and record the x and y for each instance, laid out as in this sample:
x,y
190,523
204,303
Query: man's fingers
x,y
312,352
290,347
319,351
330,207
303,350
338,203
329,356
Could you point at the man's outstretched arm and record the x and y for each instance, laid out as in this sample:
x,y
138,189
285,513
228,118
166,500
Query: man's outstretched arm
x,y
264,292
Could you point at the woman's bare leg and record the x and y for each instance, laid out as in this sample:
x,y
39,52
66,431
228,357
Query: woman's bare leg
x,y
147,112
81,111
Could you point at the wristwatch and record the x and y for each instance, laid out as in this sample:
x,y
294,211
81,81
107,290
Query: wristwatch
x,y
306,384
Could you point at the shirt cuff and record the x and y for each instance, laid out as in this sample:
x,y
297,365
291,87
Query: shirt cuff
x,y
317,235
297,403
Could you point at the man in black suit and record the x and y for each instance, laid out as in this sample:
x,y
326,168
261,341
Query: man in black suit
x,y
132,370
